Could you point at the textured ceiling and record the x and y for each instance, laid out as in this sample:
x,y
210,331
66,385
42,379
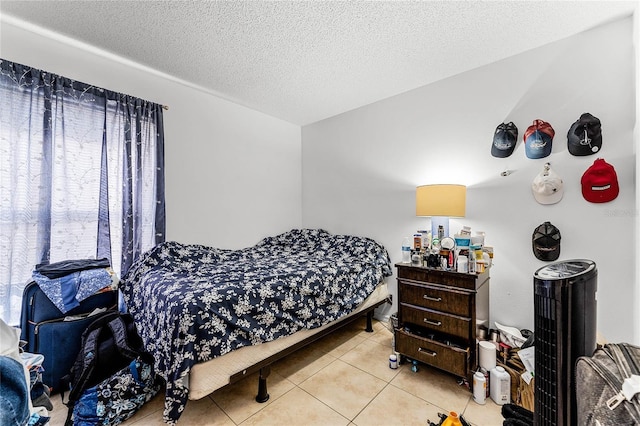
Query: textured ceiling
x,y
304,61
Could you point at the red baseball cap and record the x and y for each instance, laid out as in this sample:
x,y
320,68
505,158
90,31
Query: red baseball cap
x,y
600,182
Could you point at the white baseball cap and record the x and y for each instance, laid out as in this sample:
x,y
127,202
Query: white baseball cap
x,y
547,186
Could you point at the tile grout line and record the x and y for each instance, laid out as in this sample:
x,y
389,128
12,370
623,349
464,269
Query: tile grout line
x,y
422,398
263,408
356,367
325,404
369,403
210,396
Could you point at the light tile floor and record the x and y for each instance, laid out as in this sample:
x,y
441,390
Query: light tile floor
x,y
343,379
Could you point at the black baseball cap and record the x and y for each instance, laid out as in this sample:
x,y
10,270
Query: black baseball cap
x,y
585,136
546,242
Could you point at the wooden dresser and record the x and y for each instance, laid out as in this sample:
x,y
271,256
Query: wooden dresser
x,y
438,315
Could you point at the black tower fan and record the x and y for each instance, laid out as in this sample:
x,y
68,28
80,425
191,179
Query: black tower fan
x,y
565,329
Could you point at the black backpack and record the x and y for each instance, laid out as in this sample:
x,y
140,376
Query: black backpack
x,y
109,344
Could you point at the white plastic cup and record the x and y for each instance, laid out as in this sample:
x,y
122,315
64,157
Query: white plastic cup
x,y
487,355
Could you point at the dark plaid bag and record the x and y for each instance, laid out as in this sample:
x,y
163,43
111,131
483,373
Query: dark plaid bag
x,y
599,386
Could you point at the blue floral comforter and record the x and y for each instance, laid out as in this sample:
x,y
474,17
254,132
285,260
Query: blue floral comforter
x,y
192,303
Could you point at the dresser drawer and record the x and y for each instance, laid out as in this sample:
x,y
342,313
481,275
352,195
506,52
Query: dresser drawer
x,y
449,278
436,320
433,297
448,358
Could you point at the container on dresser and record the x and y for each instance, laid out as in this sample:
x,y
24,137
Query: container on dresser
x,y
439,313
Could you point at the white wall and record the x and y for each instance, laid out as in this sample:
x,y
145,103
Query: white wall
x,y
232,173
360,169
636,137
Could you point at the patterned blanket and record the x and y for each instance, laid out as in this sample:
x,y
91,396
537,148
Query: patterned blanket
x,y
192,303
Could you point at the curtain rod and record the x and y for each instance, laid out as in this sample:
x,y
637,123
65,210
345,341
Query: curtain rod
x,y
165,107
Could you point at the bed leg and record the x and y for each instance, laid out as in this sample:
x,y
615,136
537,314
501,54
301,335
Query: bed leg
x,y
263,395
369,328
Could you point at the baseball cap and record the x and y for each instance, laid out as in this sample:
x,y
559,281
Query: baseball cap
x,y
546,242
585,135
600,182
547,186
538,139
504,140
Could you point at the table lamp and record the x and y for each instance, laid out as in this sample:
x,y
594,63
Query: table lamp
x,y
441,202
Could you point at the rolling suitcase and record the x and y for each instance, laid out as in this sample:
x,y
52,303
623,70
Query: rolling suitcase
x,y
606,386
56,335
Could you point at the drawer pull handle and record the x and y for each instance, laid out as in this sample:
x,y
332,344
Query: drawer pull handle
x,y
427,352
430,322
433,299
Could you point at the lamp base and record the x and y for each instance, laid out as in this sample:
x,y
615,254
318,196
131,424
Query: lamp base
x,y
436,223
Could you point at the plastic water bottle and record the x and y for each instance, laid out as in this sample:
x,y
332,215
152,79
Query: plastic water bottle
x,y
406,250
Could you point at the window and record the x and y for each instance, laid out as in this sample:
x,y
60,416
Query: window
x,y
81,176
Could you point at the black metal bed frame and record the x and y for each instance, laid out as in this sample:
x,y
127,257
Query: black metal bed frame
x,y
264,366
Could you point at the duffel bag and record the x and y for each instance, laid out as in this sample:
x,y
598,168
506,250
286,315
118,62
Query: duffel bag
x,y
606,386
118,397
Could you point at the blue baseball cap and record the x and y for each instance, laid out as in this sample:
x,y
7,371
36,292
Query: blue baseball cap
x,y
504,140
538,139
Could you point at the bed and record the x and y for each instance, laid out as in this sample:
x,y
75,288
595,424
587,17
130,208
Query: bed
x,y
211,316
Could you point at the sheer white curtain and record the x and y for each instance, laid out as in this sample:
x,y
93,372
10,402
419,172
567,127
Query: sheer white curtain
x,y
81,176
